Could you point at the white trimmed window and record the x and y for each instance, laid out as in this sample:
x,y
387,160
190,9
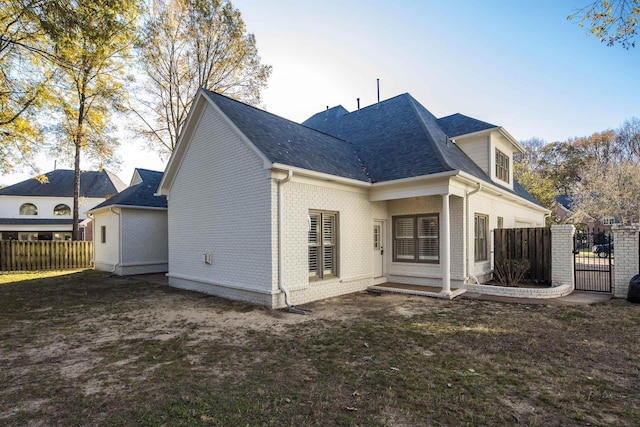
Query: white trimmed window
x,y
481,230
323,244
416,238
28,209
62,210
502,166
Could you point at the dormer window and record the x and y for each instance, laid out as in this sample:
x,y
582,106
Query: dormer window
x,y
28,209
502,166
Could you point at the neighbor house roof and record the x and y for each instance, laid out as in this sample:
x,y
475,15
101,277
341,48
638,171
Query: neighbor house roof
x,y
141,194
59,183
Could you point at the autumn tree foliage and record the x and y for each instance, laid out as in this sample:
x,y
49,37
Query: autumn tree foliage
x,y
600,172
187,45
24,80
610,21
91,41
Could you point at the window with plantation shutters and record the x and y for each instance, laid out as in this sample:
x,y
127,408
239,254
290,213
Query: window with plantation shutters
x,y
323,244
416,238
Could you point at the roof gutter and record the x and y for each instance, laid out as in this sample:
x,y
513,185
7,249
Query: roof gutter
x,y
320,175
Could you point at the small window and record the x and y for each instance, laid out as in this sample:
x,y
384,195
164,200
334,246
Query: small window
x,y
61,236
502,166
416,238
323,244
481,230
500,222
62,210
31,237
28,209
103,234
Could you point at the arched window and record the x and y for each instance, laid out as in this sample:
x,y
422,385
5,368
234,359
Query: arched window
x,y
28,209
62,210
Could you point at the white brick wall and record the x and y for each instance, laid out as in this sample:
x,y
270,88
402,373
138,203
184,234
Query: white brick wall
x,y
420,273
562,257
356,216
144,241
626,258
220,203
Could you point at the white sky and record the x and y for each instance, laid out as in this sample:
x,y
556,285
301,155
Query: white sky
x,y
517,64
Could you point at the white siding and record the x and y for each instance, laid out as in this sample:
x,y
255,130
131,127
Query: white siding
x,y
499,142
356,215
220,204
477,148
106,255
144,241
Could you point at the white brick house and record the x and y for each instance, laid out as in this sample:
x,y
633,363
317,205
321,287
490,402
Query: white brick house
x,y
269,211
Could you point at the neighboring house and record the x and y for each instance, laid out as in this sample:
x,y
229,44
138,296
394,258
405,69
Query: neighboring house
x,y
131,228
587,224
269,211
42,209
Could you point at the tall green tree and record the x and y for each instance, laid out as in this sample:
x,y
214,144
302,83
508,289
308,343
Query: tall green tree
x,y
23,81
192,44
610,21
91,41
528,172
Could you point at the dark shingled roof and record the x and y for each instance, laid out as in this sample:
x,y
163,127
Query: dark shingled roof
x,y
398,138
140,194
96,184
286,142
565,200
317,119
393,139
459,124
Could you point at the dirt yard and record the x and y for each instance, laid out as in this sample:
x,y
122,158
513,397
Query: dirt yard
x,y
89,349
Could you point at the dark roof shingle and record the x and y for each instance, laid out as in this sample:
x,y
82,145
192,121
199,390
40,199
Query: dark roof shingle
x,y
286,142
59,183
459,124
140,194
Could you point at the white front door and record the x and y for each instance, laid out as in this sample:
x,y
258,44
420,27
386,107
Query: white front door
x,y
378,249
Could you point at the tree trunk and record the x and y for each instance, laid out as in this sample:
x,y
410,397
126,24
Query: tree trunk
x,y
76,193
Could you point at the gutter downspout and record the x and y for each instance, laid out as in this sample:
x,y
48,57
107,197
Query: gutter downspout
x,y
287,297
468,231
119,241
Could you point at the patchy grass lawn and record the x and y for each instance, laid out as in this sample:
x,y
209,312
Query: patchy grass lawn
x,y
88,349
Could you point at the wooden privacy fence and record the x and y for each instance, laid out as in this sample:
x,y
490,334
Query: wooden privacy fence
x,y
533,244
18,255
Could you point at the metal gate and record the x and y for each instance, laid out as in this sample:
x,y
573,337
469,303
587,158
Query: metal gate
x,y
593,261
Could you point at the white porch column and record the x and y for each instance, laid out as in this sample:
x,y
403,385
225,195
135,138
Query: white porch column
x,y
445,259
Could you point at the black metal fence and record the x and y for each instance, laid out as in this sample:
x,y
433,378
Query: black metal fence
x,y
593,261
